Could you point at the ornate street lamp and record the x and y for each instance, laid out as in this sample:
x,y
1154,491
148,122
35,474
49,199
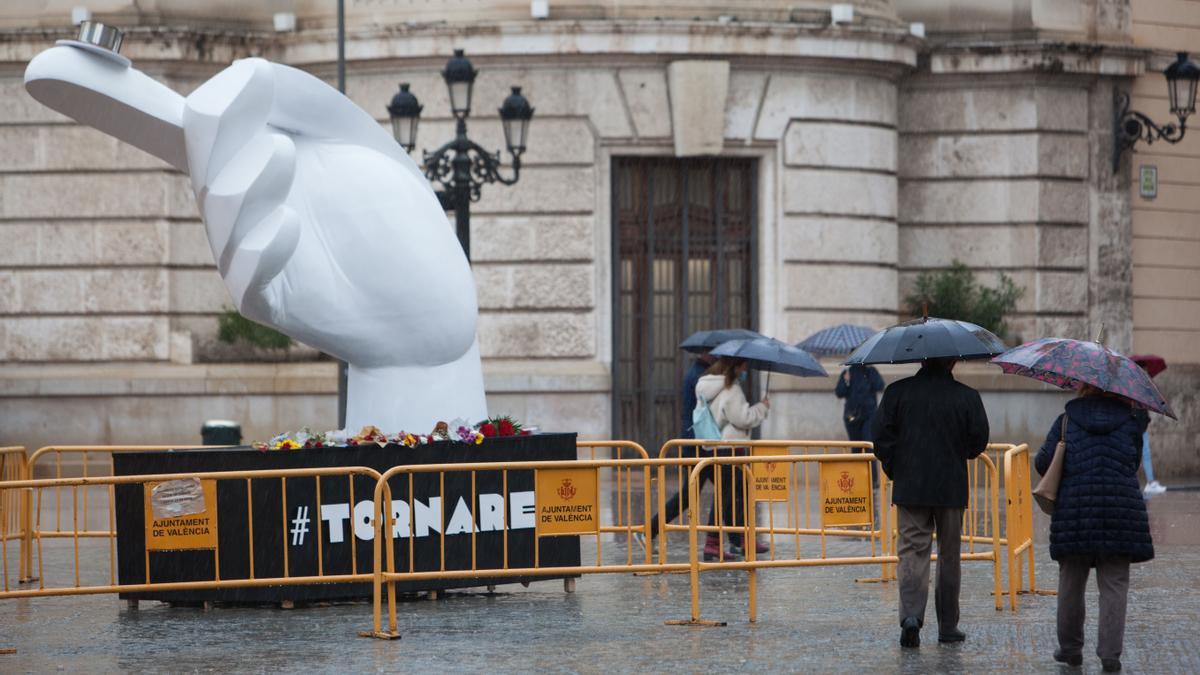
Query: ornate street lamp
x,y
461,166
1131,126
460,80
405,112
515,115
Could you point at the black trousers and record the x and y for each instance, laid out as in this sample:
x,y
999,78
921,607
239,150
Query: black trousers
x,y
859,429
732,493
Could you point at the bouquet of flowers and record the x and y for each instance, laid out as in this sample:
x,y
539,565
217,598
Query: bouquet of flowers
x,y
501,426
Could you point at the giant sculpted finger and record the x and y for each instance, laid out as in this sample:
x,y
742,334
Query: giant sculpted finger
x,y
319,224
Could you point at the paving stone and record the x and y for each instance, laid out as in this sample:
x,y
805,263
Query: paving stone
x,y
814,619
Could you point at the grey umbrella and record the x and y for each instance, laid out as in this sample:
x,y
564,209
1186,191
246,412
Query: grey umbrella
x,y
773,356
701,342
930,338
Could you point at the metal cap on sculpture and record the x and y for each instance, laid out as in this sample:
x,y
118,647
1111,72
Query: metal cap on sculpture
x,y
101,35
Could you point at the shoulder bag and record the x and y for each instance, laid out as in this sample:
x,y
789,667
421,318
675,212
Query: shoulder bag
x,y
1046,492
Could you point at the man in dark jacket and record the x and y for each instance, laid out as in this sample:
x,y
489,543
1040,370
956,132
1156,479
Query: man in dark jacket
x,y
859,385
1099,519
926,429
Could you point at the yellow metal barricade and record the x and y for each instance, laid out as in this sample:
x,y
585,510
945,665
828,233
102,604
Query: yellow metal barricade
x,y
1019,524
84,581
624,486
798,522
819,507
14,512
572,481
831,511
45,516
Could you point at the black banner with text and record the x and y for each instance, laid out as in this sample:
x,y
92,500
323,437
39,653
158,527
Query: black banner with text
x,y
285,529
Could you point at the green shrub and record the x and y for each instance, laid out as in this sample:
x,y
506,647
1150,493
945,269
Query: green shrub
x,y
955,294
233,327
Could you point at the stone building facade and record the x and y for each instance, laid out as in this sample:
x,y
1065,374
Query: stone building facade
x,y
848,158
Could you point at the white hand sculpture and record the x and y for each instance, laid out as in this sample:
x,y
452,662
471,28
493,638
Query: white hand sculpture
x,y
321,225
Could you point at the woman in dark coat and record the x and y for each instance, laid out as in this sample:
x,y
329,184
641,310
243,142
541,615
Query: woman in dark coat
x,y
1099,519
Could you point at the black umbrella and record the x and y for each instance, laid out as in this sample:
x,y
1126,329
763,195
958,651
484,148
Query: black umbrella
x,y
701,342
773,356
930,338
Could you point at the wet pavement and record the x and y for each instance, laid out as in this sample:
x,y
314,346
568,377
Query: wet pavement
x,y
816,619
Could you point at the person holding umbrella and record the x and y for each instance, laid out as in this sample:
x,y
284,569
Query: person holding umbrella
x,y
1099,516
858,384
761,353
721,388
700,344
926,429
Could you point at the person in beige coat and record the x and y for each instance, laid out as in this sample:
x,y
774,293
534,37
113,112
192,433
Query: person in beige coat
x,y
721,389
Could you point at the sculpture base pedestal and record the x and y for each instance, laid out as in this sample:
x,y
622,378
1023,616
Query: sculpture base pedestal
x,y
288,523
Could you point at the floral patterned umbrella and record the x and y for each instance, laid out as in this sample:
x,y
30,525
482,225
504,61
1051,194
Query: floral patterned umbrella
x,y
1070,364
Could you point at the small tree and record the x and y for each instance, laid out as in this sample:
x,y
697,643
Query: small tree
x,y
955,294
233,327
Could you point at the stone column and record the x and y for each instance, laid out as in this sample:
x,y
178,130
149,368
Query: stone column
x,y
995,174
837,203
1110,226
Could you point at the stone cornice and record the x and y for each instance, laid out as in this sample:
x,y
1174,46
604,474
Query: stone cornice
x,y
1079,58
608,39
601,41
147,44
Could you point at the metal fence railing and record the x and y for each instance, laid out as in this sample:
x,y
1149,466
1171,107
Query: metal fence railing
x,y
14,513
809,502
75,575
864,523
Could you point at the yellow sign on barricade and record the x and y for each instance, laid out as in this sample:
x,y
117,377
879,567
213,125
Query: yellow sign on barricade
x,y
771,482
181,515
846,493
567,501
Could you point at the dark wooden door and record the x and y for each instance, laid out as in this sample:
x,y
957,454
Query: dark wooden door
x,y
684,242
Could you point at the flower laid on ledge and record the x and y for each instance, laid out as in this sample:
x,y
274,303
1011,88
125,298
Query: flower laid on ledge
x,y
467,434
459,431
501,426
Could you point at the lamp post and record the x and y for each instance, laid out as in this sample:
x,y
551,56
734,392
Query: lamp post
x,y
1131,126
461,167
